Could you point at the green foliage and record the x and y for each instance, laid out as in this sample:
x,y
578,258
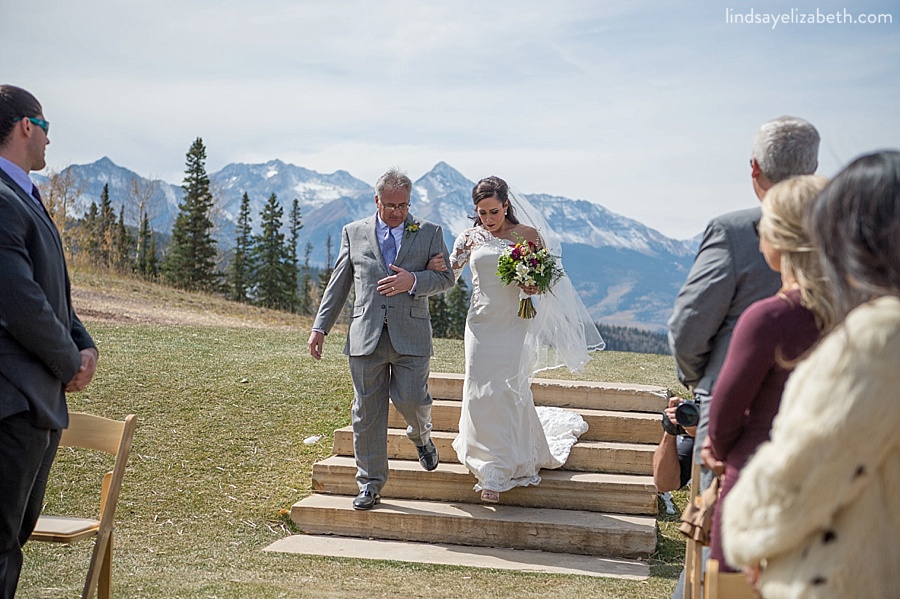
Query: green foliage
x,y
306,301
190,260
146,261
242,261
271,279
448,311
632,339
294,226
325,273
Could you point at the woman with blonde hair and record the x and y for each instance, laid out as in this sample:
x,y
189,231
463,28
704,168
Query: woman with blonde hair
x,y
769,338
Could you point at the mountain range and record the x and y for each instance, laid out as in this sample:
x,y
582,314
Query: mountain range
x,y
627,273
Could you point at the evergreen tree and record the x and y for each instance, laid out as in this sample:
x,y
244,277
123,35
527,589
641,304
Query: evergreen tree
x,y
106,226
457,309
270,277
145,258
91,234
325,273
190,261
122,241
437,307
305,302
294,226
242,263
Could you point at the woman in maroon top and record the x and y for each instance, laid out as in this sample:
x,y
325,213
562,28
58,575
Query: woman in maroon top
x,y
769,337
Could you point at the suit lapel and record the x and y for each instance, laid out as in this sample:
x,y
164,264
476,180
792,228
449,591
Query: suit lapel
x,y
408,239
371,233
32,205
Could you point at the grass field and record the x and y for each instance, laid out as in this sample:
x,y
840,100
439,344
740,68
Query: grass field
x,y
218,459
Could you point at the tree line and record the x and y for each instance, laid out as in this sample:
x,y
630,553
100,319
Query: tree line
x,y
264,268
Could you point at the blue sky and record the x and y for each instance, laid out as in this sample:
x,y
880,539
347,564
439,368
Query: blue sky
x,y
648,108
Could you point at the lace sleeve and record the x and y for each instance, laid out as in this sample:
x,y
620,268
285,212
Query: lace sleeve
x,y
459,257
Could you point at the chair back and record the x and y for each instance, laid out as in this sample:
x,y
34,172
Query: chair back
x,y
113,437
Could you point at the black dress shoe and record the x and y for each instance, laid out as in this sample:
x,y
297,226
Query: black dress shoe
x,y
366,500
428,455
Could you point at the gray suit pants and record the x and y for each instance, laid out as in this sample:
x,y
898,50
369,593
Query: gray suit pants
x,y
381,375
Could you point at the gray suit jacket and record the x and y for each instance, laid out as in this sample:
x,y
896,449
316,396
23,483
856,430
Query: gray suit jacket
x,y
40,336
728,274
360,265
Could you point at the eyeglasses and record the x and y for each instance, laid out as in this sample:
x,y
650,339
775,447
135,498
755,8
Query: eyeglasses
x,y
392,207
45,125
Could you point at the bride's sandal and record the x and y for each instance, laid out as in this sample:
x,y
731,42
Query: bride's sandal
x,y
489,496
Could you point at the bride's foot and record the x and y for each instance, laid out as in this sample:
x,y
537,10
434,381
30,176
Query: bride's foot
x,y
490,496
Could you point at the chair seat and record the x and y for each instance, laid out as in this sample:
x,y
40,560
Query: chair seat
x,y
64,529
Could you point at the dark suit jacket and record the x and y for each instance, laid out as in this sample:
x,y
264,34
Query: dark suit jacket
x,y
728,274
360,265
40,336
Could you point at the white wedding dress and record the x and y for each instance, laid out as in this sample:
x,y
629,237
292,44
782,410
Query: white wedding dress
x,y
503,439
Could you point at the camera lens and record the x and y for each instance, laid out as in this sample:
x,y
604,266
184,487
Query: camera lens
x,y
687,413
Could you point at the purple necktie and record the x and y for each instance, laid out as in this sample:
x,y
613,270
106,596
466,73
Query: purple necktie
x,y
36,194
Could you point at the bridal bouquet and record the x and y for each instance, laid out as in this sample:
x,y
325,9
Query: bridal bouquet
x,y
528,264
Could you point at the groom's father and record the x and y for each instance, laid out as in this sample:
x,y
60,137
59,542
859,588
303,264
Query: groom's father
x,y
384,258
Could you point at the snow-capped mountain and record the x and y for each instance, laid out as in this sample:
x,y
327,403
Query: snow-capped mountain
x,y
628,274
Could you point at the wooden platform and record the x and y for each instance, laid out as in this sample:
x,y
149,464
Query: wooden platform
x,y
602,503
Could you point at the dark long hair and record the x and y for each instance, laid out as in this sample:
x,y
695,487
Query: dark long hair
x,y
491,187
855,225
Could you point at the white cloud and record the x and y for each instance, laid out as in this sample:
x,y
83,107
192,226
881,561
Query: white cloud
x,y
646,107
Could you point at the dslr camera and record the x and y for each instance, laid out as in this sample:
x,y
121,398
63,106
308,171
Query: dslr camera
x,y
686,414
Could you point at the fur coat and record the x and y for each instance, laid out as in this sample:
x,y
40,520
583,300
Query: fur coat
x,y
819,504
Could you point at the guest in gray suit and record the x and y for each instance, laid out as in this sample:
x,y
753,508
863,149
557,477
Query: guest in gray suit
x,y
45,351
729,272
390,261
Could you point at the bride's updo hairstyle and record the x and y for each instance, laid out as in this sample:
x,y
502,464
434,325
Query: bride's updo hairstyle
x,y
491,187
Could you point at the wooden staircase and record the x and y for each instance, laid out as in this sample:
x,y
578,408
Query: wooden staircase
x,y
601,503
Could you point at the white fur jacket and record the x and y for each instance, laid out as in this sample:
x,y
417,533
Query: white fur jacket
x,y
819,504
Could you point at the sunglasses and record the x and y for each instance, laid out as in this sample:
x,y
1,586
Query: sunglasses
x,y
45,125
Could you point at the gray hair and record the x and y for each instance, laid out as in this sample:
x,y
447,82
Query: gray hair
x,y
786,147
393,179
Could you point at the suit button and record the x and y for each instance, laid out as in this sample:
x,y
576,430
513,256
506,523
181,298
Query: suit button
x,y
383,306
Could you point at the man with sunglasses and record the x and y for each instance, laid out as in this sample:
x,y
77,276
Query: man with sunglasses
x,y
45,351
393,263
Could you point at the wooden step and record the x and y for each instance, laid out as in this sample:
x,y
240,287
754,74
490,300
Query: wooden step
x,y
603,425
565,531
591,395
563,489
586,456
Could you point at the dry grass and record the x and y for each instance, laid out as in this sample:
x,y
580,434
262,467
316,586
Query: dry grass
x,y
225,395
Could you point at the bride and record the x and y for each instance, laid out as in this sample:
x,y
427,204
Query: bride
x,y
503,439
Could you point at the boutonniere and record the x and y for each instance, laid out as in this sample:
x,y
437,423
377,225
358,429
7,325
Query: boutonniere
x,y
411,228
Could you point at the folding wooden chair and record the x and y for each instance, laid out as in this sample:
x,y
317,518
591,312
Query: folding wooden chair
x,y
693,556
725,585
113,437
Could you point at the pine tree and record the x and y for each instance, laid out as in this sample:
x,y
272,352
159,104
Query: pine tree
x,y
437,307
106,226
305,302
91,234
294,226
325,273
190,261
270,277
145,258
121,245
457,309
241,263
